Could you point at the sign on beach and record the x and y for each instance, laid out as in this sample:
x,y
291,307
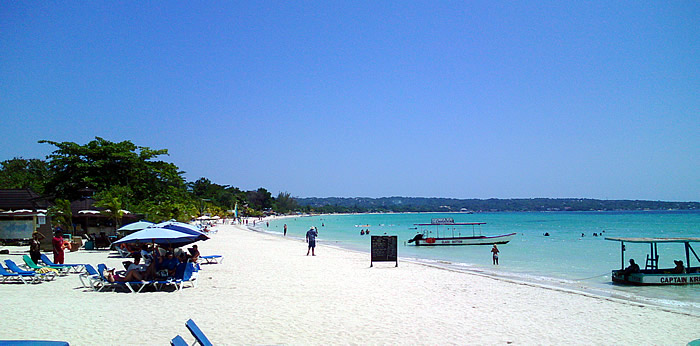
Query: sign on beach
x,y
384,249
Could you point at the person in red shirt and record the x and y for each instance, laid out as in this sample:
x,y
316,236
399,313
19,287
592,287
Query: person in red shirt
x,y
57,242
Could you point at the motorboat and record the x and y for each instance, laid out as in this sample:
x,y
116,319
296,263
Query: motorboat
x,y
682,274
441,232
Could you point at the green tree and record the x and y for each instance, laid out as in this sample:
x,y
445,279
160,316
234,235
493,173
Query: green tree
x,y
19,173
222,196
113,209
61,214
260,199
284,203
169,210
102,165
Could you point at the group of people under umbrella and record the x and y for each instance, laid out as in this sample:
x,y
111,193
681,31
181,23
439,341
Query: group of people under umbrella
x,y
156,244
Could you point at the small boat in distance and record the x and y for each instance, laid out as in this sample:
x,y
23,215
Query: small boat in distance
x,y
448,227
651,274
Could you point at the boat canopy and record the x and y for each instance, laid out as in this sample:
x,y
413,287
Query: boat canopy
x,y
449,224
655,240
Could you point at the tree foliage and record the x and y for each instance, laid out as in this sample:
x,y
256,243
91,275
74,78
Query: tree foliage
x,y
285,203
126,176
19,173
113,209
223,197
103,165
260,199
61,213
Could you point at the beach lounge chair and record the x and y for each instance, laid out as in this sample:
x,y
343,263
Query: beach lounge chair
x,y
197,333
32,343
25,278
15,268
91,275
185,273
124,252
103,282
75,267
212,259
178,341
33,266
133,286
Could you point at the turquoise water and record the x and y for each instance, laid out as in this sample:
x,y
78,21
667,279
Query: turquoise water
x,y
564,259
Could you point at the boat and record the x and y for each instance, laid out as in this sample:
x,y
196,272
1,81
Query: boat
x,y
651,274
448,227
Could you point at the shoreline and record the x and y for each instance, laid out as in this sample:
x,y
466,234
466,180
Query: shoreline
x,y
268,292
588,291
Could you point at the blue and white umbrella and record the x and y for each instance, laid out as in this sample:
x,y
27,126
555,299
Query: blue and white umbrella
x,y
160,236
181,227
135,226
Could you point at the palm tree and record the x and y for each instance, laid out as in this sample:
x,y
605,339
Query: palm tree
x,y
61,213
114,209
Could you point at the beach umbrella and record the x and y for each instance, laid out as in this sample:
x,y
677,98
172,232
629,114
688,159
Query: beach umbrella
x,y
161,236
135,226
181,227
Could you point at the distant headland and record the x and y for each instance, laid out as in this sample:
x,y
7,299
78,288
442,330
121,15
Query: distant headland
x,y
424,204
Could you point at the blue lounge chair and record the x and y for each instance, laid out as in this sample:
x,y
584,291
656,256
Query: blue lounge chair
x,y
212,259
133,286
178,341
101,280
15,268
185,273
22,277
197,333
33,266
91,275
75,267
32,343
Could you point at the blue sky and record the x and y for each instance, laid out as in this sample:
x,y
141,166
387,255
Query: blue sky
x,y
475,99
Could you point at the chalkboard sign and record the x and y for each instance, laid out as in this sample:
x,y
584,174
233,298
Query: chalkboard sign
x,y
384,249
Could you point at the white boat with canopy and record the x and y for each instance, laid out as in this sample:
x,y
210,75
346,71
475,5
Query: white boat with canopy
x,y
652,274
448,227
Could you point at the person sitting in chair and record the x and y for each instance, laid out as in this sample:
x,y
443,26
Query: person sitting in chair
x,y
633,268
130,276
169,263
137,266
194,253
679,269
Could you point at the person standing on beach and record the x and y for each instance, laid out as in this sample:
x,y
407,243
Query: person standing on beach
x,y
35,246
57,243
495,252
285,229
311,235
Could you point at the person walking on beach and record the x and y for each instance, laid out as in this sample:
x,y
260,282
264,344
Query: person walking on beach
x,y
495,252
285,229
311,235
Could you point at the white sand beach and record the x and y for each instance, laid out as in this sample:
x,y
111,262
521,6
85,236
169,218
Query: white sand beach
x,y
268,292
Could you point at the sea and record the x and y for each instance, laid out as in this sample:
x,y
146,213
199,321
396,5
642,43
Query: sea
x,y
569,258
